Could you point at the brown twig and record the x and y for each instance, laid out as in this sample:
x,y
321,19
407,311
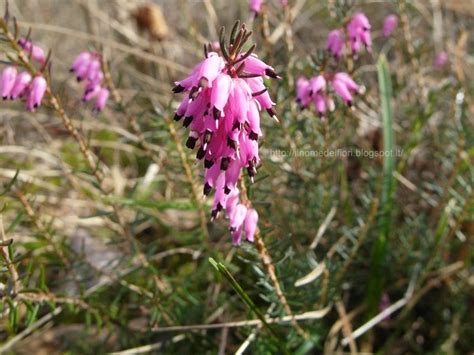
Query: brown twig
x,y
266,260
16,286
346,326
42,228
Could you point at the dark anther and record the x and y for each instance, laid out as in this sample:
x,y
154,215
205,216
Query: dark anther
x,y
191,142
253,136
207,189
271,112
237,125
201,153
225,163
231,143
271,73
178,88
187,121
208,163
216,113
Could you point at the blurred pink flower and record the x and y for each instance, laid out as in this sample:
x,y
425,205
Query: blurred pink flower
x,y
335,43
314,90
303,98
359,32
7,81
255,6
389,25
36,93
384,304
88,66
22,82
440,59
250,223
36,52
344,86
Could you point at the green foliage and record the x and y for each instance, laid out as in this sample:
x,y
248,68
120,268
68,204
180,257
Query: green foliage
x,y
125,263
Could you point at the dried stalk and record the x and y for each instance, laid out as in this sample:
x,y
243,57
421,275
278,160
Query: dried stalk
x,y
8,262
266,260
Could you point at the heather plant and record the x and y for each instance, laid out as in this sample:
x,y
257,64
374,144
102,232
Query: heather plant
x,y
301,185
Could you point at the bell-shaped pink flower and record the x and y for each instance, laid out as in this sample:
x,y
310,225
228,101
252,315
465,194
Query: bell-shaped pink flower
x,y
344,86
21,85
82,59
220,196
238,217
253,118
221,92
250,224
343,91
91,92
335,43
260,92
303,97
7,81
239,100
347,80
94,72
358,30
101,100
232,201
36,93
253,65
210,69
320,104
389,25
317,84
36,52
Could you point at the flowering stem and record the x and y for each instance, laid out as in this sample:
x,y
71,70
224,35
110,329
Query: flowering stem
x,y
266,260
96,168
267,263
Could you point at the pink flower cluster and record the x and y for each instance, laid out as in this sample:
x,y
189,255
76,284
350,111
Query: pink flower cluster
x,y
317,91
224,97
242,218
87,66
15,85
358,32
